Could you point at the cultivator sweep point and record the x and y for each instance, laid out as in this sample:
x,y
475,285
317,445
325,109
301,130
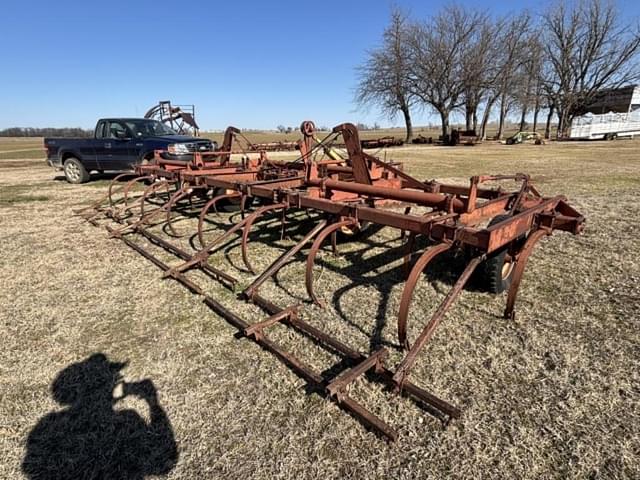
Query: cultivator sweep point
x,y
342,194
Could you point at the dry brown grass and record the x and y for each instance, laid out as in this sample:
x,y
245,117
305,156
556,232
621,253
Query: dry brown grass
x,y
552,395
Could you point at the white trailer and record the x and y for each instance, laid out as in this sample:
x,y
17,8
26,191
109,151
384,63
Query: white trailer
x,y
622,117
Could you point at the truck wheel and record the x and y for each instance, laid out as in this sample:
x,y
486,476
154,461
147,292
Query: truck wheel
x,y
74,171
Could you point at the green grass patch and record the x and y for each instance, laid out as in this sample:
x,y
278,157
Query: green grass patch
x,y
12,194
35,153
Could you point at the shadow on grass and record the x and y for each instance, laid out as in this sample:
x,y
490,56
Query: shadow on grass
x,y
97,179
92,437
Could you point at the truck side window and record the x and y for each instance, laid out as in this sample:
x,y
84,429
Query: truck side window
x,y
100,130
115,128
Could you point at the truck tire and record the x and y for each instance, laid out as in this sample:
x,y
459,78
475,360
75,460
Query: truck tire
x,y
74,171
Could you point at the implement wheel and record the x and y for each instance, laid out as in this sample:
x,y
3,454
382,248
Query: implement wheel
x,y
496,272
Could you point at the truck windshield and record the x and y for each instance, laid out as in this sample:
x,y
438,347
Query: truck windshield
x,y
148,128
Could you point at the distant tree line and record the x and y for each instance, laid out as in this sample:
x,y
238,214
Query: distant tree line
x,y
464,61
45,132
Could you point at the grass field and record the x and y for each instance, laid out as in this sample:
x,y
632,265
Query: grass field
x,y
553,394
29,148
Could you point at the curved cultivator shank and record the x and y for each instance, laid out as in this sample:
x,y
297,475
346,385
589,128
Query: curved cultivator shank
x,y
495,229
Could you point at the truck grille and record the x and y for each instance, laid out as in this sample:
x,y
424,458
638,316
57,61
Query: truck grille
x,y
199,147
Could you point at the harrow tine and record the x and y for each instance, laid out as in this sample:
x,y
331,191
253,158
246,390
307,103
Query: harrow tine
x,y
411,239
172,201
144,218
151,190
97,205
205,252
317,244
129,185
403,370
521,263
119,214
203,213
243,203
110,190
281,260
410,285
244,245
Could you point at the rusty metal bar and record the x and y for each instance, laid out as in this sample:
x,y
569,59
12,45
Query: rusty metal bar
x,y
435,200
256,328
410,285
317,244
367,417
337,386
219,274
280,261
521,262
336,345
205,252
406,364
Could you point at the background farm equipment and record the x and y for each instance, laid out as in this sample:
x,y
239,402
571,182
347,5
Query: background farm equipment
x,y
382,142
462,137
525,137
343,195
422,140
181,118
282,146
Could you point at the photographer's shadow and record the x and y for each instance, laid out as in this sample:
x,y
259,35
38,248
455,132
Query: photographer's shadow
x,y
92,439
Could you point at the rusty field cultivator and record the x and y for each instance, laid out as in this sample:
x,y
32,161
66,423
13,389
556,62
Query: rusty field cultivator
x,y
344,193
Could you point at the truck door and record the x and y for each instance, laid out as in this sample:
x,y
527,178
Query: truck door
x,y
117,147
97,144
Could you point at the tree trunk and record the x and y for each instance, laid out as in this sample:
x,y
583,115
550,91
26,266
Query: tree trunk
x,y
468,118
564,124
485,117
547,130
408,124
475,120
536,111
444,116
522,118
561,120
503,114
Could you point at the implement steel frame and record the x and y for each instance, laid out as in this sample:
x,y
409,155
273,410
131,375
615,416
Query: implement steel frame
x,y
349,194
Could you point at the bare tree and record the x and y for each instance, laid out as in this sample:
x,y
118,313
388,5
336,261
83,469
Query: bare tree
x,y
438,47
529,95
507,60
587,48
477,67
384,77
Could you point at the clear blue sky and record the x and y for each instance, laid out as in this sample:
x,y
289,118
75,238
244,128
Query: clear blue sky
x,y
251,64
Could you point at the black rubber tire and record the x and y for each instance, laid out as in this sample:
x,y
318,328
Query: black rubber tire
x,y
363,232
230,205
74,171
494,276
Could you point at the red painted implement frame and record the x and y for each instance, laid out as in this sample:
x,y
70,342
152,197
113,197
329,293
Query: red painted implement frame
x,y
487,224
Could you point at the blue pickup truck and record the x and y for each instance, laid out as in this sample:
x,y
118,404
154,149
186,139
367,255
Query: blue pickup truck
x,y
120,144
